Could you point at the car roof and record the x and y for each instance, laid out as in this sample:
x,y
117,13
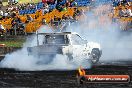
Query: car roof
x,y
57,33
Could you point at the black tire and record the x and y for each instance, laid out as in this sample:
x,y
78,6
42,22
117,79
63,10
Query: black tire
x,y
95,55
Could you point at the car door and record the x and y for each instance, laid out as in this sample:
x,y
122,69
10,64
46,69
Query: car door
x,y
78,46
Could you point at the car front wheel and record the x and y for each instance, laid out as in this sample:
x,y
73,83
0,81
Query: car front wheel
x,y
95,55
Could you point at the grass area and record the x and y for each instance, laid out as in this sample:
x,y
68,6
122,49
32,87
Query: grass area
x,y
13,43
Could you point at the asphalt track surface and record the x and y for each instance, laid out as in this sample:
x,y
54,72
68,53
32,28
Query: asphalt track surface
x,y
64,79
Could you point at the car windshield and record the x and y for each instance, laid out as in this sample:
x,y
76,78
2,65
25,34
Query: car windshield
x,y
56,39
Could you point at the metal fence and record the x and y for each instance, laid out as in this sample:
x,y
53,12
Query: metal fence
x,y
22,30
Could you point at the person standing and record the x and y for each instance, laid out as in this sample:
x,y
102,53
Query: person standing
x,y
2,29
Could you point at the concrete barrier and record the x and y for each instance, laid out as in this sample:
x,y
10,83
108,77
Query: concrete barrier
x,y
2,57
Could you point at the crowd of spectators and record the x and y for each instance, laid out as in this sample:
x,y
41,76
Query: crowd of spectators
x,y
62,5
121,2
126,10
13,8
66,20
12,2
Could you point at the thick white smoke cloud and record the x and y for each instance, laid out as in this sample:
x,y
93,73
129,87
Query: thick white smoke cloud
x,y
20,59
115,43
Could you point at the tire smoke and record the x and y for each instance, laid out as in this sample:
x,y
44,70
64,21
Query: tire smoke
x,y
20,60
99,27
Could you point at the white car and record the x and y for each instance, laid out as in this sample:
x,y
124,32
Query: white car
x,y
66,43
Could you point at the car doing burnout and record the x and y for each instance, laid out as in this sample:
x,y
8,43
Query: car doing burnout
x,y
66,43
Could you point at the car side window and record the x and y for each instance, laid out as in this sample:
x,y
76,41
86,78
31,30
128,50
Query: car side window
x,y
56,39
77,40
